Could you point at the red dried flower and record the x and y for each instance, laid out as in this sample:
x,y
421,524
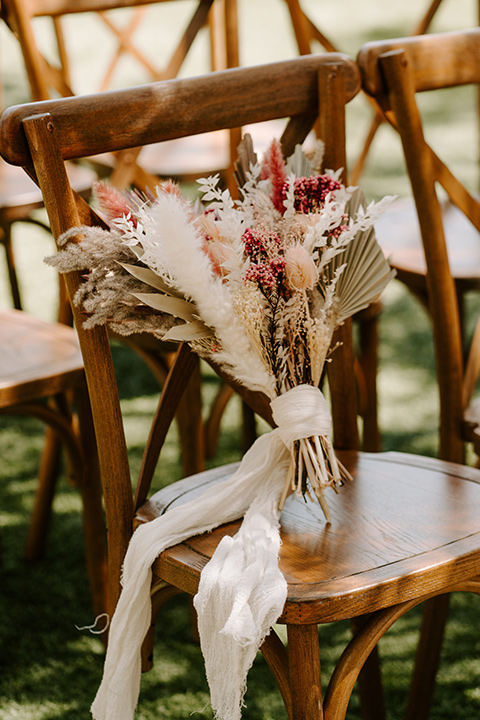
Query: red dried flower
x,y
260,244
273,168
310,192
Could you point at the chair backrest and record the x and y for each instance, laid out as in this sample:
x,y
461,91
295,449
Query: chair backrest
x,y
123,32
393,73
42,136
47,77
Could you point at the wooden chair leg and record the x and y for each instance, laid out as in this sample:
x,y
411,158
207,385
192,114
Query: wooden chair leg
x,y
160,596
372,705
212,425
94,527
304,672
6,240
368,361
42,509
275,653
190,425
427,659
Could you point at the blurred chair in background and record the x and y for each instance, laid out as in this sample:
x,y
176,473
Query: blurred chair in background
x,y
47,79
40,368
435,247
309,35
42,376
120,22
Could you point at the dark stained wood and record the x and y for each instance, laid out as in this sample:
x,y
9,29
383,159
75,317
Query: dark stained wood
x,y
433,244
171,101
404,524
434,70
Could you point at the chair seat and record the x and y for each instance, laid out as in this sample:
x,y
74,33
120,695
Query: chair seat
x,y
37,358
398,233
401,519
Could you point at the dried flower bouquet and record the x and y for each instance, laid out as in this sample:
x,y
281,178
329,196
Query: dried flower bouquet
x,y
258,286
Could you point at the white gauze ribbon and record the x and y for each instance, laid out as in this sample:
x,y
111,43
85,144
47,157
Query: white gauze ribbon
x,y
242,591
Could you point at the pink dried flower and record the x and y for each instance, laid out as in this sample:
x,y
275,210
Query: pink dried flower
x,y
213,244
300,270
219,254
310,192
273,168
111,202
260,243
336,232
169,187
268,274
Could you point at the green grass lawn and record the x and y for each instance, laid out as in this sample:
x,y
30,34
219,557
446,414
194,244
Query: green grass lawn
x,y
49,669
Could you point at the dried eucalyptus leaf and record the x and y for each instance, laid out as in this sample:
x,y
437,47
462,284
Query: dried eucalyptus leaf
x,y
147,276
189,332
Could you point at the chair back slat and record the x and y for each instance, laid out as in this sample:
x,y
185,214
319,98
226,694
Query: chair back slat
x,y
458,63
163,111
56,8
104,399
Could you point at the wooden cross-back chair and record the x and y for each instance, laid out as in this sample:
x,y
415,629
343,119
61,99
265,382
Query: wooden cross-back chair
x,y
48,79
393,540
441,257
440,260
307,34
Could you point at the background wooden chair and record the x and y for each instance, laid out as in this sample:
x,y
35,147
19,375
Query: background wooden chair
x,y
42,376
309,36
436,249
393,541
52,77
48,78
440,234
40,366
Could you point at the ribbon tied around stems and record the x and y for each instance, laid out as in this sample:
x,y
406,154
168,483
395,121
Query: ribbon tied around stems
x,y
241,591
